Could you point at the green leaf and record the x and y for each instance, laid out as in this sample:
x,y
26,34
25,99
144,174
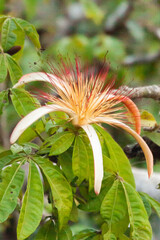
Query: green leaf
x,y
3,67
23,102
15,148
79,159
94,204
3,99
74,213
12,35
60,142
60,188
140,226
46,232
118,156
147,119
155,204
146,204
14,69
32,206
66,234
30,31
12,181
65,160
5,159
2,19
114,208
109,236
92,11
154,136
84,234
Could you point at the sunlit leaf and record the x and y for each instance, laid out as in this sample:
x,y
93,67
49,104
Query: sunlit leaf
x,y
14,69
12,35
30,31
109,236
118,156
147,204
147,119
23,101
65,160
140,226
32,205
3,67
114,208
3,99
60,142
79,159
12,181
60,188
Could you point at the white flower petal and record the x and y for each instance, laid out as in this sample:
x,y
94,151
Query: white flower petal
x,y
147,152
34,116
39,76
97,155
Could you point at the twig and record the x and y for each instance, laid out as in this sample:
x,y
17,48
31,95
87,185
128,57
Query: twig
x,y
145,59
152,91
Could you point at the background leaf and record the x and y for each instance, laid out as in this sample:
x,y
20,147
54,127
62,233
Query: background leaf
x,y
3,67
46,232
14,69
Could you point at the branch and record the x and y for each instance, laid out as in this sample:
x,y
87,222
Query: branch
x,y
152,91
135,60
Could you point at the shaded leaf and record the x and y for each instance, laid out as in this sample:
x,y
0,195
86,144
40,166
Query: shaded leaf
x,y
60,188
66,234
109,236
65,160
154,203
12,181
84,234
32,205
46,232
146,204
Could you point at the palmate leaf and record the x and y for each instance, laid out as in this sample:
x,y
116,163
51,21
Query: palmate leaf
x,y
60,188
12,181
139,224
79,159
118,156
114,209
46,232
12,35
32,206
30,31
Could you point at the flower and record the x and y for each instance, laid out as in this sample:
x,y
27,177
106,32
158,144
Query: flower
x,y
87,99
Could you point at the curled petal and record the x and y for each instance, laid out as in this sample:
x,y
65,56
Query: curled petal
x,y
34,116
39,76
132,108
97,155
142,143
